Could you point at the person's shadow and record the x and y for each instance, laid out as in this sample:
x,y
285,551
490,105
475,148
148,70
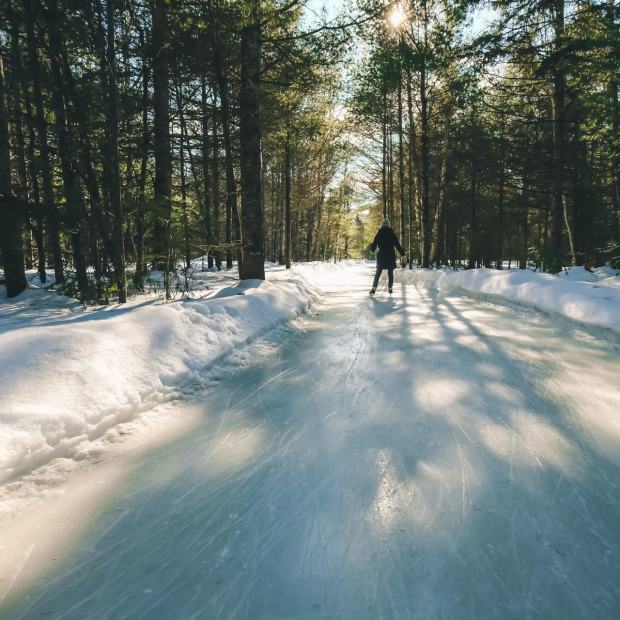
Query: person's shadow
x,y
382,307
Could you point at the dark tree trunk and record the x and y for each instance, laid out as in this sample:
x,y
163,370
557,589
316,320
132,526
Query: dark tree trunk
x,y
424,138
215,182
206,177
414,227
19,154
384,130
253,261
113,164
612,88
287,201
500,205
36,222
161,141
559,138
232,212
584,199
435,256
473,230
525,230
11,212
401,159
45,165
144,157
76,216
183,141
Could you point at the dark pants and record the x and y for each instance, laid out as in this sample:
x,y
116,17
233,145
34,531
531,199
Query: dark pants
x,y
378,275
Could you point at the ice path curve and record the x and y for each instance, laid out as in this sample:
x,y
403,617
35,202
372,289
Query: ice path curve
x,y
425,456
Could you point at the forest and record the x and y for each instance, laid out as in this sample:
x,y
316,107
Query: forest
x,y
137,136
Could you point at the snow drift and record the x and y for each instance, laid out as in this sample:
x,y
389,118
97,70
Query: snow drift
x,y
595,302
69,374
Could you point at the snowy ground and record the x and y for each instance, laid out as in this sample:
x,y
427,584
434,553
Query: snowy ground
x,y
589,297
422,456
69,374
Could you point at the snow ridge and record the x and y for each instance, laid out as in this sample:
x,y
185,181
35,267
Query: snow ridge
x,y
591,298
67,375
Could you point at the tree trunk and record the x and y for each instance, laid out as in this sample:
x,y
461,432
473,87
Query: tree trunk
x,y
161,144
37,222
424,137
182,142
206,177
144,157
473,231
45,162
401,155
439,213
614,142
253,261
287,200
413,185
11,211
559,137
525,199
116,202
215,182
384,190
76,219
500,204
232,212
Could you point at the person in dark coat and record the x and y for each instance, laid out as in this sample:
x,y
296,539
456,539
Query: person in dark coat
x,y
386,240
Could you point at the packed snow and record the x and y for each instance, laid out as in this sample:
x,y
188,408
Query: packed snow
x,y
422,455
577,294
68,373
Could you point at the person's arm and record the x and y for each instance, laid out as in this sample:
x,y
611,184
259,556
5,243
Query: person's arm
x,y
373,247
398,246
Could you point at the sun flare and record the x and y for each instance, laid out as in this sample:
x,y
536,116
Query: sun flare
x,y
397,17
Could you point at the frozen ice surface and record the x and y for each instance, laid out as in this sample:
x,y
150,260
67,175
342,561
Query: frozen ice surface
x,y
428,455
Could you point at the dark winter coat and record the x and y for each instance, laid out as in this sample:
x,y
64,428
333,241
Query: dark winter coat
x,y
386,240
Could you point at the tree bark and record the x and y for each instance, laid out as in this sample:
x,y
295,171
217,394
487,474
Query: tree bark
x,y
206,177
424,138
232,212
161,142
414,209
473,231
500,204
113,164
11,211
215,182
144,157
401,153
66,149
45,165
384,190
525,236
183,140
559,138
253,261
435,255
287,201
36,222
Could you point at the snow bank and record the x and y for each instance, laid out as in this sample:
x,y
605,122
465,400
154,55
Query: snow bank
x,y
68,374
596,302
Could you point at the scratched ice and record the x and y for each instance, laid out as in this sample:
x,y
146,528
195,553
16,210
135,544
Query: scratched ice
x,y
424,456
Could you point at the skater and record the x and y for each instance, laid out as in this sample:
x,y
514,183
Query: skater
x,y
386,240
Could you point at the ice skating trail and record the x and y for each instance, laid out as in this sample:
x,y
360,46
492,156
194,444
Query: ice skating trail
x,y
426,455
